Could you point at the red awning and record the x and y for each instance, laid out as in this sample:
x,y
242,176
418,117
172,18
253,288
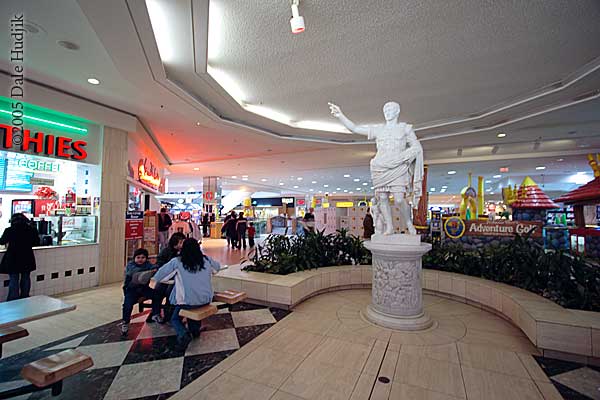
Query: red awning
x,y
586,194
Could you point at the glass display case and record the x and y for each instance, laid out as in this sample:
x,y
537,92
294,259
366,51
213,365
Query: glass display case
x,y
73,230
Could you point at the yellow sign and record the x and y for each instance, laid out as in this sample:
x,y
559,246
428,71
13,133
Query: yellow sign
x,y
344,204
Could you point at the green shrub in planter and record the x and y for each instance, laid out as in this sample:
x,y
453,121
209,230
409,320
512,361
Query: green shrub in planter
x,y
566,279
284,255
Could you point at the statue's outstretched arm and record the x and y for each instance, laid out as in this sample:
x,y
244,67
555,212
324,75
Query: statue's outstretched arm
x,y
351,126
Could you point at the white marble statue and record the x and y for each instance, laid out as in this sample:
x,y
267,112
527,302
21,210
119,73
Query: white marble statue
x,y
397,168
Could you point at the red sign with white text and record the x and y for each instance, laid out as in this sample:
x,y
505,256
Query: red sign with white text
x,y
43,144
134,229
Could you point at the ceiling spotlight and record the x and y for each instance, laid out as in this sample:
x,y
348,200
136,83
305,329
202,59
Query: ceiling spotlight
x,y
311,190
365,183
196,169
263,180
501,135
338,188
347,176
281,183
326,186
345,190
297,21
497,176
451,172
313,182
300,178
295,187
233,177
540,167
356,180
432,189
244,179
93,81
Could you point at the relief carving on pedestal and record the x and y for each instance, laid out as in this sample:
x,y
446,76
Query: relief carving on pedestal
x,y
396,286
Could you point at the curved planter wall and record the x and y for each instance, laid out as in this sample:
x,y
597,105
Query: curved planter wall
x,y
556,331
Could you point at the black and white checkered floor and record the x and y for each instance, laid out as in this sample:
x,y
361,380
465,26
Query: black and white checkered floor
x,y
145,365
574,381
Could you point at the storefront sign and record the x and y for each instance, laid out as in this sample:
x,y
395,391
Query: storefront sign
x,y
31,164
42,143
287,200
148,173
344,204
503,228
209,196
454,227
301,202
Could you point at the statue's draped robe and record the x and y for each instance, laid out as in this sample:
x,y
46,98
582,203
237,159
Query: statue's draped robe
x,y
398,165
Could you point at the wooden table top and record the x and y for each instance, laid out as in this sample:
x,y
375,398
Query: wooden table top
x,y
29,309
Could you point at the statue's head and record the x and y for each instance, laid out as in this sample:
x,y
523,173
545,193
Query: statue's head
x,y
391,110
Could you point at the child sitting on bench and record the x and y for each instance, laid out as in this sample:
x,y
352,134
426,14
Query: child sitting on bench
x,y
137,276
193,286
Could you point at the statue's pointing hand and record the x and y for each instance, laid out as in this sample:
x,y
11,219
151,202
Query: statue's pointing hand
x,y
335,110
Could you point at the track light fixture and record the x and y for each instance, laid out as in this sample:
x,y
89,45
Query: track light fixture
x,y
297,21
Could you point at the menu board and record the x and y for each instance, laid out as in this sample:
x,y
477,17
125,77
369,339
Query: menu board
x,y
14,179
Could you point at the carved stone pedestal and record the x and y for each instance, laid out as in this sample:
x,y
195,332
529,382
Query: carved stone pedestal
x,y
397,299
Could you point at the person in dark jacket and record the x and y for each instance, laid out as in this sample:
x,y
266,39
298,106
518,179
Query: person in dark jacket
x,y
164,223
167,254
241,226
368,226
133,289
19,260
229,227
205,224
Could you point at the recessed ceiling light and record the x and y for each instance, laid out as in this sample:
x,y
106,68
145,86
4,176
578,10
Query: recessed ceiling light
x,y
540,167
93,81
372,187
281,184
233,177
488,181
300,178
347,176
351,192
497,176
311,190
338,188
432,189
244,179
244,176
365,183
451,172
444,187
346,191
263,180
325,185
356,179
492,193
295,186
313,182
560,160
196,169
501,135
443,191
358,189
198,123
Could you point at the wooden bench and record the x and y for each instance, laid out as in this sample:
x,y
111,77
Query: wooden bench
x,y
199,313
49,373
230,296
11,333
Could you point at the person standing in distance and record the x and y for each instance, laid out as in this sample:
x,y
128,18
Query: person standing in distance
x,y
164,223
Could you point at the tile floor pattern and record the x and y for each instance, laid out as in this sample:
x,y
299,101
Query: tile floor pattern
x,y
325,350
145,365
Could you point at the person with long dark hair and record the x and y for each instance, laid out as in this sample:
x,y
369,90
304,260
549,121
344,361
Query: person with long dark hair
x,y
192,272
162,289
19,260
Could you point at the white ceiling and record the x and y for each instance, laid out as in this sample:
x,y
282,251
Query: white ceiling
x,y
448,62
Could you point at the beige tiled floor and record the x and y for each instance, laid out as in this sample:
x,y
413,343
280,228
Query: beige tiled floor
x,y
325,350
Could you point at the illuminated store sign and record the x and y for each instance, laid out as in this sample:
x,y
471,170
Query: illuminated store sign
x,y
42,143
148,173
36,165
287,200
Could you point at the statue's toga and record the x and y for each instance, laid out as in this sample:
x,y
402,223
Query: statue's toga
x,y
397,168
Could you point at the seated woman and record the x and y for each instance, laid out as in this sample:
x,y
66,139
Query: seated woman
x,y
167,254
137,276
193,287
